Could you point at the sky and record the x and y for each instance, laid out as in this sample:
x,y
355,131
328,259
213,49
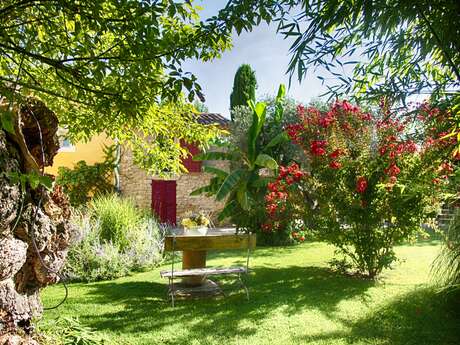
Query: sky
x,y
264,50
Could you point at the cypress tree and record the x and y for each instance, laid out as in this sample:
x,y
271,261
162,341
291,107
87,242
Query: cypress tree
x,y
244,87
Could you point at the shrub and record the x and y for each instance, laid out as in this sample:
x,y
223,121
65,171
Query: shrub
x,y
118,219
86,181
115,238
243,189
447,265
365,187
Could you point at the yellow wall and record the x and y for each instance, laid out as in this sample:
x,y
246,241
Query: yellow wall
x,y
91,152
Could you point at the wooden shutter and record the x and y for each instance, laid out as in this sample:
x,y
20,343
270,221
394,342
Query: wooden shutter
x,y
164,201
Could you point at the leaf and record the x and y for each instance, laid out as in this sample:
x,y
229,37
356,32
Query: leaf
x,y
262,182
212,156
7,121
201,190
266,161
229,184
34,180
46,181
216,171
279,139
243,198
259,112
228,210
281,93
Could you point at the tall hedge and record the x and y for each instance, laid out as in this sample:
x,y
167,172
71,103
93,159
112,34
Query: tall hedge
x,y
244,87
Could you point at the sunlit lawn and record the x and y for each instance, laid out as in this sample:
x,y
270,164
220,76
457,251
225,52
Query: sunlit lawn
x,y
295,299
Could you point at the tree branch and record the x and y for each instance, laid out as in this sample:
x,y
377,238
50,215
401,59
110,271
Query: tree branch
x,y
440,44
48,92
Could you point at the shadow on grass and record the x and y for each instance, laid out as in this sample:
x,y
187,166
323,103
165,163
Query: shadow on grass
x,y
293,289
421,317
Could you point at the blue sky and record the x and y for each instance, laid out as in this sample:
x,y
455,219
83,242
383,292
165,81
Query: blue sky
x,y
264,50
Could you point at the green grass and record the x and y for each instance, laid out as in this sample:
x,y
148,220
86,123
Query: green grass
x,y
295,299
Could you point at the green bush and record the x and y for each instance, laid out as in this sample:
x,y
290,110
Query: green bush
x,y
115,238
118,220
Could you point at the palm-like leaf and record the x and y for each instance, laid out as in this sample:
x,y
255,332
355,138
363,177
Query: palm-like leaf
x,y
216,171
212,156
229,183
266,161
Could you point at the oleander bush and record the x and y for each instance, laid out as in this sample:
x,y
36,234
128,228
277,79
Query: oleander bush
x,y
366,185
115,238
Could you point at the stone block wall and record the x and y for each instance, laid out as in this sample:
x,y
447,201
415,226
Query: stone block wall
x,y
135,183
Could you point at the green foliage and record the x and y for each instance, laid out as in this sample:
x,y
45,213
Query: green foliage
x,y
118,219
200,107
396,49
33,179
106,66
446,267
115,239
273,136
243,189
84,181
68,331
244,87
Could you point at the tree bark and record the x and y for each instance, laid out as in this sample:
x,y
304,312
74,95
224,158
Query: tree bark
x,y
34,223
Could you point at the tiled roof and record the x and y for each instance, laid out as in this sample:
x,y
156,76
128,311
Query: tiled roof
x,y
213,119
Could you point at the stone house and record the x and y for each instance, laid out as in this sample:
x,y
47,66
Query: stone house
x,y
170,198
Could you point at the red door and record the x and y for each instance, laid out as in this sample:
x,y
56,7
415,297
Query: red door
x,y
164,201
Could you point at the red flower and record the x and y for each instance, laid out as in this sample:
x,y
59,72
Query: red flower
x,y
361,184
382,150
293,167
266,227
283,172
446,167
298,175
336,153
392,170
302,238
271,209
335,165
411,147
326,121
317,147
273,187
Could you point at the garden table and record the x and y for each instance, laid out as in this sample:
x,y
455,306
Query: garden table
x,y
195,247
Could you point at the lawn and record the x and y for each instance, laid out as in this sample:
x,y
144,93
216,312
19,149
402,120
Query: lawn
x,y
295,299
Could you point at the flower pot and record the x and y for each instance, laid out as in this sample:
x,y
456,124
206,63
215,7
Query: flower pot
x,y
196,231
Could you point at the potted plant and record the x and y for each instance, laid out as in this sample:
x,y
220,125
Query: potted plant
x,y
196,224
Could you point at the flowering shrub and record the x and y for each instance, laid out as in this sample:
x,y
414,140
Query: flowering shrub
x,y
366,187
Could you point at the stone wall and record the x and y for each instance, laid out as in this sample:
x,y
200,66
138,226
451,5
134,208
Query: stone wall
x,y
135,183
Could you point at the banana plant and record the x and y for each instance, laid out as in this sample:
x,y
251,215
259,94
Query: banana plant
x,y
244,187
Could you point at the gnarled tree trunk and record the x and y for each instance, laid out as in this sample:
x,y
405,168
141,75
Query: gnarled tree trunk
x,y
35,231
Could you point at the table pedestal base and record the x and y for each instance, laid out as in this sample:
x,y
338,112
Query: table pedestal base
x,y
206,289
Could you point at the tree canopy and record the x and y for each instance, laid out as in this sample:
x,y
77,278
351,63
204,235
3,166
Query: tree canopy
x,y
101,65
395,48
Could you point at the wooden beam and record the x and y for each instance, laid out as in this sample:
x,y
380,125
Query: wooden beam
x,y
235,241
